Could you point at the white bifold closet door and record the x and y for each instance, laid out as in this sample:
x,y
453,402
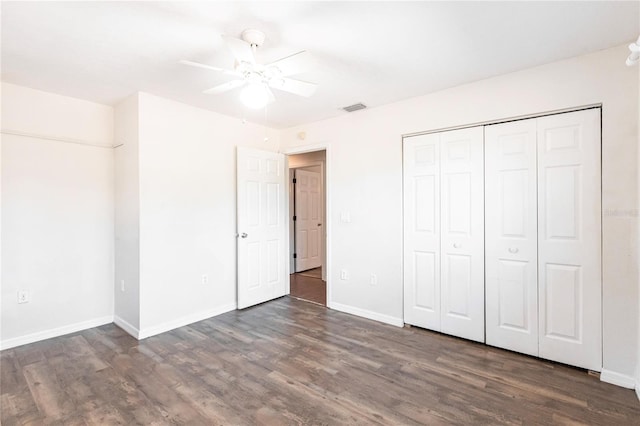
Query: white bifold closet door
x,y
543,237
569,238
444,232
511,236
422,231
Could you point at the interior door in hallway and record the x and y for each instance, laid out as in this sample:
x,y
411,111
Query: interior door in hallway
x,y
308,223
262,226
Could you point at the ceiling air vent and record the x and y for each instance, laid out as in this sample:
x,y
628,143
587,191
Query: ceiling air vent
x,y
354,107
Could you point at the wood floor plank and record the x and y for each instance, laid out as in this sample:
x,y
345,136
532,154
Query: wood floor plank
x,y
47,392
292,362
308,285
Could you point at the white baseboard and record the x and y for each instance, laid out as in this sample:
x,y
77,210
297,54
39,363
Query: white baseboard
x,y
387,319
126,326
54,332
617,379
186,320
638,389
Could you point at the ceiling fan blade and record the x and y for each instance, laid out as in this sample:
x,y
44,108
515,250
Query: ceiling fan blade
x,y
297,87
224,87
294,64
209,67
240,49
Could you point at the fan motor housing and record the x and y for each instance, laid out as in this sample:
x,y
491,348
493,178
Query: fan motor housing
x,y
253,37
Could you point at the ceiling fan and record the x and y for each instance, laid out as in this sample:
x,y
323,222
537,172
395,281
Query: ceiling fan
x,y
257,78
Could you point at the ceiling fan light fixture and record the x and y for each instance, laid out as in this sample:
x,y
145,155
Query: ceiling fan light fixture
x,y
254,95
257,79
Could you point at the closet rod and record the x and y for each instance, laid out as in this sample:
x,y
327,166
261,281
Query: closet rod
x,y
54,138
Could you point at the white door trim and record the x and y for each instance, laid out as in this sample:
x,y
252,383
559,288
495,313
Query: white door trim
x,y
327,208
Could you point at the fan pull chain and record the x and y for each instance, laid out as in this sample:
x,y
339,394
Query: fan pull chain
x,y
266,138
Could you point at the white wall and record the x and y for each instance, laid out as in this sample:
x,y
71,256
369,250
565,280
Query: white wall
x,y
57,215
366,177
127,224
187,210
637,217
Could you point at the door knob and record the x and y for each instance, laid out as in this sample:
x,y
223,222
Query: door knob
x,y
513,250
244,235
319,224
456,245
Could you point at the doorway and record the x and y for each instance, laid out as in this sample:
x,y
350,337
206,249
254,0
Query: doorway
x,y
307,228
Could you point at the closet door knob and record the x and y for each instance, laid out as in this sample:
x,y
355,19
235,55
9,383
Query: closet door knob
x,y
513,250
456,245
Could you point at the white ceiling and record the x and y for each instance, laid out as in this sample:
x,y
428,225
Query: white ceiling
x,y
370,52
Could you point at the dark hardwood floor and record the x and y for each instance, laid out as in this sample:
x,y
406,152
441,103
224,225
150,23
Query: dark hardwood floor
x,y
308,285
293,362
313,273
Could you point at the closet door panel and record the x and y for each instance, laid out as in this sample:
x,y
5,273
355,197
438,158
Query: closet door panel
x,y
569,238
421,158
511,236
462,233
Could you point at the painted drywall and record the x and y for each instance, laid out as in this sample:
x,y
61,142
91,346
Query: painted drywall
x,y
301,160
35,112
187,216
638,217
366,181
127,214
57,215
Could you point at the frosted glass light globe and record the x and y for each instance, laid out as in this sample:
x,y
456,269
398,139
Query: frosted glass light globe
x,y
254,96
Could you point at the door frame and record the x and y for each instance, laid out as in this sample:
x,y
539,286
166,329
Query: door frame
x,y
303,149
292,209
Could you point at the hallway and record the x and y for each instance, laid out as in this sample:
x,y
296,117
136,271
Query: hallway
x,y
308,285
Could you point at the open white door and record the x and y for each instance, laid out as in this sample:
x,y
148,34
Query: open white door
x,y
308,218
262,232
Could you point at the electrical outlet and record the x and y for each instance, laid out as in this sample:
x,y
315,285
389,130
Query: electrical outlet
x,y
121,285
23,296
344,275
205,279
374,279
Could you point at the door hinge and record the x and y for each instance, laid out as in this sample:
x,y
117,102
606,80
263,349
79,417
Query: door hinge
x,y
295,218
295,180
295,256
